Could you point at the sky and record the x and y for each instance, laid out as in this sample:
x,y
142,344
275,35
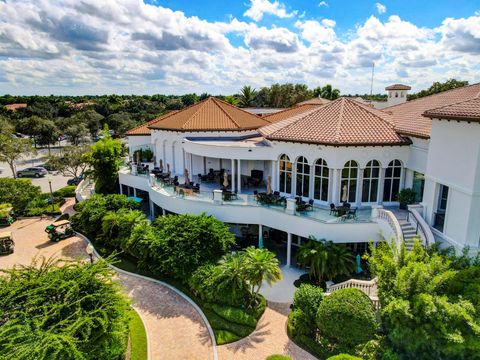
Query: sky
x,y
77,47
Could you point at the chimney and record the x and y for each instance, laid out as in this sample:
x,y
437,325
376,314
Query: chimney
x,y
397,94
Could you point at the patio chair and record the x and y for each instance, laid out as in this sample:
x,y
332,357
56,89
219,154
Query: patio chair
x,y
352,214
256,178
310,205
333,209
276,193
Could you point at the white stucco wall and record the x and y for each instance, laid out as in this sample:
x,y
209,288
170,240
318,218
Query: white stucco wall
x,y
136,142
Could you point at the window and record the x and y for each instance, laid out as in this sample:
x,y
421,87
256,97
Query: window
x,y
348,190
371,176
321,180
418,185
439,220
393,174
303,177
285,174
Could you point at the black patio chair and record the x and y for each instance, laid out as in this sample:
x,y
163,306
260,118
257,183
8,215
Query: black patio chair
x,y
352,214
333,209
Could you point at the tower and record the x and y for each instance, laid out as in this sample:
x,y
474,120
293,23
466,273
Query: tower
x,y
397,94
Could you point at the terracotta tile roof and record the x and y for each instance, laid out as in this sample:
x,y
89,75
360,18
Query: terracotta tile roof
x,y
341,122
14,107
143,130
211,114
289,112
408,116
314,101
398,87
468,110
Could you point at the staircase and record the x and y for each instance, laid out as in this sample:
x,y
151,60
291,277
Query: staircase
x,y
368,287
409,233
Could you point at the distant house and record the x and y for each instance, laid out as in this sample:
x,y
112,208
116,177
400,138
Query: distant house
x,y
15,107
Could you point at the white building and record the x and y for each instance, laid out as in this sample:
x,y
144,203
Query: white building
x,y
325,154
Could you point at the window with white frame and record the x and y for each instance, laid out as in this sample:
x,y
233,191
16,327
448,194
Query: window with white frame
x,y
371,177
393,174
321,176
348,190
303,177
285,168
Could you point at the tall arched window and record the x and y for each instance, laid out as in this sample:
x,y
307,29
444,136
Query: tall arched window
x,y
321,180
371,176
285,174
348,191
393,174
303,177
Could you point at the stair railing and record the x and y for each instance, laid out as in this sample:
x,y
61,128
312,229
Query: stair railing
x,y
421,227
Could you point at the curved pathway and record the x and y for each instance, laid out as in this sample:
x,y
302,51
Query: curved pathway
x,y
175,329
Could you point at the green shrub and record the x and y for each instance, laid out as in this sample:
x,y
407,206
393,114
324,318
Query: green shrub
x,y
234,315
117,227
73,311
308,298
299,323
219,323
278,357
225,337
347,318
138,337
258,310
66,191
18,192
344,357
181,243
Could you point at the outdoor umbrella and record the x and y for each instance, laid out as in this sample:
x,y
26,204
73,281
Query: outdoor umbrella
x,y
358,269
225,179
161,165
269,187
344,195
168,169
185,175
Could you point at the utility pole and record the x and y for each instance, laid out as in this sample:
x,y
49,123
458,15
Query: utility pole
x,y
371,84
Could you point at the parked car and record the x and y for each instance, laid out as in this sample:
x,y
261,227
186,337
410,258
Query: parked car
x,y
36,171
75,181
59,230
48,166
7,244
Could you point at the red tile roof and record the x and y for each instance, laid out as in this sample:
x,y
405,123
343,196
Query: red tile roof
x,y
289,112
211,114
14,107
342,122
143,130
398,87
468,110
314,101
409,119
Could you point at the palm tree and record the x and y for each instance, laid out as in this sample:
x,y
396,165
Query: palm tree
x,y
247,94
231,100
260,265
341,261
328,92
230,275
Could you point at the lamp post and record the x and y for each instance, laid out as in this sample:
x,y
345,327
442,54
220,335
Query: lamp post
x,y
89,249
50,178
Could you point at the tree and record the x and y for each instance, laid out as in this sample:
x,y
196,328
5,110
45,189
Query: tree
x,y
347,318
72,162
6,128
230,276
120,122
72,311
18,192
13,149
189,99
328,92
438,87
260,265
46,133
75,133
247,94
104,159
231,100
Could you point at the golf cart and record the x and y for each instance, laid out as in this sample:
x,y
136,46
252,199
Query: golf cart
x,y
6,243
59,230
7,216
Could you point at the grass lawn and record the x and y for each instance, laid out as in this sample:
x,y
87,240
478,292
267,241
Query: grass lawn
x,y
138,338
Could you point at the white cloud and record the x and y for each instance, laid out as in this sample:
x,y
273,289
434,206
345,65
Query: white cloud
x,y
260,7
381,9
323,3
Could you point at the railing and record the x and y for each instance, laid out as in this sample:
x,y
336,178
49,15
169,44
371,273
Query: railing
x,y
368,287
84,190
421,227
394,225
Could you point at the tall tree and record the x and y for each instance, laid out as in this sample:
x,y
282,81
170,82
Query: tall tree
x,y
72,162
13,149
328,92
231,100
46,133
247,94
438,87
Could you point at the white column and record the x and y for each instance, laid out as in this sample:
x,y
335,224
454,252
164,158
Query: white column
x,y
359,187
191,167
260,236
184,161
239,177
135,192
274,175
294,179
335,186
289,249
381,184
402,178
152,215
164,212
233,175
121,190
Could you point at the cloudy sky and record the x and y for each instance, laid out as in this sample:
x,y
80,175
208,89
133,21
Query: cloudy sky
x,y
217,46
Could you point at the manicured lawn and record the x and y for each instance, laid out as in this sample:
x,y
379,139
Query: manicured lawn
x,y
138,338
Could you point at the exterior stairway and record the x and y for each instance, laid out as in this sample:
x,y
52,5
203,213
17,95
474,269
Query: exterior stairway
x,y
409,234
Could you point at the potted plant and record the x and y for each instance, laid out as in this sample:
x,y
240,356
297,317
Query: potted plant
x,y
406,197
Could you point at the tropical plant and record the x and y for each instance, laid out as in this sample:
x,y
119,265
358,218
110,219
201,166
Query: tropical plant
x,y
232,100
104,158
406,197
231,276
347,318
18,192
13,149
328,92
247,94
72,311
260,265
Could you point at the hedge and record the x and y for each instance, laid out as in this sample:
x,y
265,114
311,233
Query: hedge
x,y
235,315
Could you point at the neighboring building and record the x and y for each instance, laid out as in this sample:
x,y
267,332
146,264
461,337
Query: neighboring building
x,y
326,153
15,107
261,111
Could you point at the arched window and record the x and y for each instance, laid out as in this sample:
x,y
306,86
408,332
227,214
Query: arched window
x,y
303,177
321,180
393,174
285,174
348,191
371,176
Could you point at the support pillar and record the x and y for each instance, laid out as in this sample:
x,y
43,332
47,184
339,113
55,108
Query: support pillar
x,y
152,210
289,249
239,177
260,236
233,175
335,186
191,167
164,212
135,192
274,176
358,199
381,185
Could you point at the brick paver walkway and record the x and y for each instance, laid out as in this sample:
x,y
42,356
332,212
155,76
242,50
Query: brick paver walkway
x,y
175,329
